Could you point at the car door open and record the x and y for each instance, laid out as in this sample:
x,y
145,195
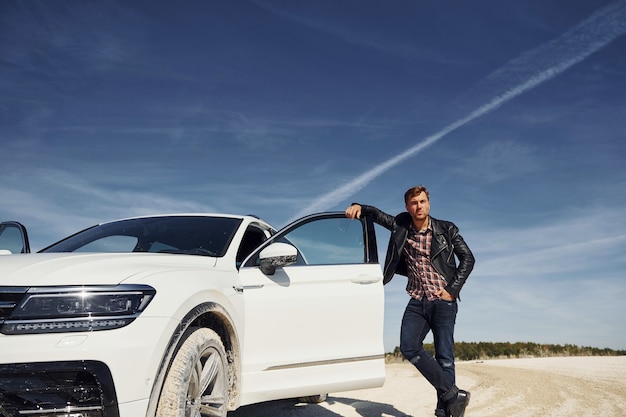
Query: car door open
x,y
316,318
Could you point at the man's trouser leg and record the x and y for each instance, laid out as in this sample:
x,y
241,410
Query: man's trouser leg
x,y
415,327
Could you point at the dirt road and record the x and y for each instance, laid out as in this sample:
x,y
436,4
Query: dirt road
x,y
541,387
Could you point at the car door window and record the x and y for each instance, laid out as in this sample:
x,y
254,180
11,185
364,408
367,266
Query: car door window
x,y
329,241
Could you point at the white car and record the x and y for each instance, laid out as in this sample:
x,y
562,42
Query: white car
x,y
188,315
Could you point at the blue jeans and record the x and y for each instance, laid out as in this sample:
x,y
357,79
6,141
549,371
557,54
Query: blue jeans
x,y
420,317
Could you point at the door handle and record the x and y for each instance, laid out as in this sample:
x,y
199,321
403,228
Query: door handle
x,y
364,280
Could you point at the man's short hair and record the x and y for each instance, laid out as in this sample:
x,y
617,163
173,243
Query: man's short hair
x,y
413,191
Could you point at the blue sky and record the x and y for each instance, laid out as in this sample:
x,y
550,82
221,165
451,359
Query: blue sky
x,y
513,114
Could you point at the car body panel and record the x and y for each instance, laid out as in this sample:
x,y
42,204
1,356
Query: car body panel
x,y
319,346
41,269
137,347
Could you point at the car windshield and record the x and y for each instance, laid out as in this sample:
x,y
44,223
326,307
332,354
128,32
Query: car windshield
x,y
195,235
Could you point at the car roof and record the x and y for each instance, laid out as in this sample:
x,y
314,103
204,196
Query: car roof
x,y
193,214
248,217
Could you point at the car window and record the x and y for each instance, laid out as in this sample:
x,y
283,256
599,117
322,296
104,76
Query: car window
x,y
196,235
327,241
110,244
252,239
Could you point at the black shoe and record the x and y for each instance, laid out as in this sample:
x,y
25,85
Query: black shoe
x,y
440,412
456,406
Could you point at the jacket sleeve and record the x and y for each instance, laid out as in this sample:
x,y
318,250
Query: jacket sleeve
x,y
378,216
466,262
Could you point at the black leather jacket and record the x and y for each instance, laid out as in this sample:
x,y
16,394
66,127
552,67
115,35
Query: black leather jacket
x,y
446,243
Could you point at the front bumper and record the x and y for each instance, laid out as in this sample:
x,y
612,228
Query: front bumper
x,y
123,361
47,389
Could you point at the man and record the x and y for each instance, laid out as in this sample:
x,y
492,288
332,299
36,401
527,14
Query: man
x,y
424,249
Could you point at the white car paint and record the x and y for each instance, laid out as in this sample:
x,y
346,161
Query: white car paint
x,y
307,329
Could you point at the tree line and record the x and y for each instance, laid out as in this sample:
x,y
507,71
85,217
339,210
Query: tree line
x,y
466,351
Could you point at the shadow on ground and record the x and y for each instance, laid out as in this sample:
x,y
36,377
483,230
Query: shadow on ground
x,y
342,407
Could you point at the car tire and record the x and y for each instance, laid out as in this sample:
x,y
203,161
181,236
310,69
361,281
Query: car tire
x,y
197,381
314,399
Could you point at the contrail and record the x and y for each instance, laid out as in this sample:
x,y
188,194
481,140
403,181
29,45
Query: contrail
x,y
529,70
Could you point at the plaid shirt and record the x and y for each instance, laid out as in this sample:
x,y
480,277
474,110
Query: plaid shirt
x,y
422,277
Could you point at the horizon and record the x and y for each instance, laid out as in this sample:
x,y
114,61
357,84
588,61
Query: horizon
x,y
595,350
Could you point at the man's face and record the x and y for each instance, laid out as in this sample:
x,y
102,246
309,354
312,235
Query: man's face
x,y
418,207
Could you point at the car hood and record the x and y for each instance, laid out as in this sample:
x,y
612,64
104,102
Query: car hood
x,y
41,269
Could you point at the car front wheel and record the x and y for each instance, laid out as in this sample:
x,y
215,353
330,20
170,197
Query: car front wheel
x,y
197,382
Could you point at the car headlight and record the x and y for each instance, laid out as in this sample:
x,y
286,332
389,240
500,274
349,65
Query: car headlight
x,y
77,309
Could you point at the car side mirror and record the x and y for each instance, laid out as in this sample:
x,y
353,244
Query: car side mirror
x,y
14,238
276,255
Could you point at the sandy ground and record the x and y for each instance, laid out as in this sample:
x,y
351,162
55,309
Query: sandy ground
x,y
546,387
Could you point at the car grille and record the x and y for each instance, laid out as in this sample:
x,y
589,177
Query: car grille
x,y
57,389
9,297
